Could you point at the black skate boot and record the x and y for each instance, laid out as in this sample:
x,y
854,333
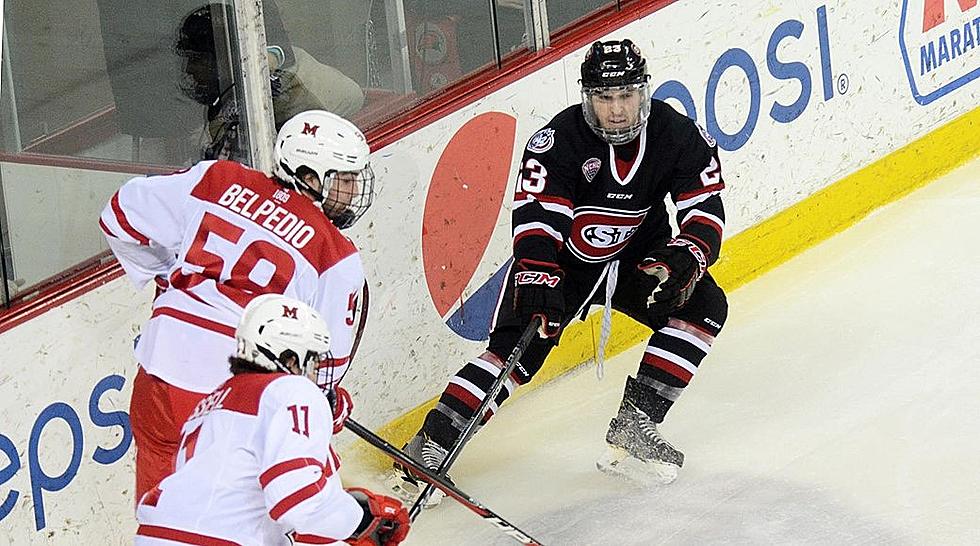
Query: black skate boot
x,y
635,447
404,484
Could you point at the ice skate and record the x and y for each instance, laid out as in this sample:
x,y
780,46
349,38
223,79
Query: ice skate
x,y
636,449
405,485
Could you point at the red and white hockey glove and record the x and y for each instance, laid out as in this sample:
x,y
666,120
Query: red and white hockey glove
x,y
538,293
679,265
385,521
342,405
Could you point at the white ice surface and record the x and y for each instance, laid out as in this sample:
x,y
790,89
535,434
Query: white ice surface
x,y
840,405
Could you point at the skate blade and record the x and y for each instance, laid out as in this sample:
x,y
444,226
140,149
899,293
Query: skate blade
x,y
618,462
408,491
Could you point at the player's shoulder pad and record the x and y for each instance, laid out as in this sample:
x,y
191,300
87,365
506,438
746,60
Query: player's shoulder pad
x,y
679,127
558,130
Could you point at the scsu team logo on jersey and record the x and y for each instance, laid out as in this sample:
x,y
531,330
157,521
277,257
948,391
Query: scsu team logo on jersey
x,y
940,43
542,141
599,233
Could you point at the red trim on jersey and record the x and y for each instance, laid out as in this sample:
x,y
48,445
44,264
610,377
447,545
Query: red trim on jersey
x,y
539,233
334,362
520,196
200,322
700,191
313,539
124,223
463,396
327,247
668,366
704,222
335,458
705,247
184,537
279,469
246,391
623,164
105,228
152,497
303,494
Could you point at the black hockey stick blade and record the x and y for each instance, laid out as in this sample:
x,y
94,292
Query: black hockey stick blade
x,y
439,482
512,362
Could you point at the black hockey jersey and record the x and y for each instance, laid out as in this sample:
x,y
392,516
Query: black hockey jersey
x,y
573,206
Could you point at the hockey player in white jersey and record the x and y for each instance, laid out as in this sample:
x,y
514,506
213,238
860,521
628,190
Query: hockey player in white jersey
x,y
216,235
255,462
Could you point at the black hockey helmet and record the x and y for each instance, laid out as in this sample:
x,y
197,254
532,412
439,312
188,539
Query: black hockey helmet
x,y
613,64
195,44
615,71
196,33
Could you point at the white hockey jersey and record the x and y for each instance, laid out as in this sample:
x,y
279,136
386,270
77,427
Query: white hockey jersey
x,y
212,237
254,464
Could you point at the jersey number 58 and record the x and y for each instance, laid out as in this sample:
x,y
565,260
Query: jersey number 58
x,y
201,263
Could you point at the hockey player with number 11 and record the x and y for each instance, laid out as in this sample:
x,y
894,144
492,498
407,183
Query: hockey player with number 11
x,y
590,226
255,462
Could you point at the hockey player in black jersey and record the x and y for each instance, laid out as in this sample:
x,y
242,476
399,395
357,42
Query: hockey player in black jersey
x,y
591,226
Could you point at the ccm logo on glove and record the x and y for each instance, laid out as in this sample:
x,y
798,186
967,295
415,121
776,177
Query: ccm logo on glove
x,y
537,277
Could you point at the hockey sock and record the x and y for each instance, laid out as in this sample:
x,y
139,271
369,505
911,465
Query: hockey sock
x,y
462,397
672,356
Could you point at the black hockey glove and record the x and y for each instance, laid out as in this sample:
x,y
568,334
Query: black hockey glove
x,y
385,521
538,293
679,265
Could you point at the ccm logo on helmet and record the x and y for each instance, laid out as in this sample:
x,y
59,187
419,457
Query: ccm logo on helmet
x,y
613,74
537,277
289,312
310,129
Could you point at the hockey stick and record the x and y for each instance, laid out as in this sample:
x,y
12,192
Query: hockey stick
x,y
419,470
509,365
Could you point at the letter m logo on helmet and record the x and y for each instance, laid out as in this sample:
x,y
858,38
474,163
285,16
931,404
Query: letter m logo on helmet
x,y
289,312
310,129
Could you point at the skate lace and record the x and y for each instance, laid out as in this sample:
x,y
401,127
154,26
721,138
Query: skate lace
x,y
433,454
649,429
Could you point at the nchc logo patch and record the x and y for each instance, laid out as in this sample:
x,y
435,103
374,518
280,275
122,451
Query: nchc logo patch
x,y
940,43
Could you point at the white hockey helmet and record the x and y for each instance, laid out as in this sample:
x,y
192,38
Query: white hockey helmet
x,y
326,144
275,328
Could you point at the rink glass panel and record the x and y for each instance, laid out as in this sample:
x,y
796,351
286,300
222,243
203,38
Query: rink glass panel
x,y
93,93
96,91
404,52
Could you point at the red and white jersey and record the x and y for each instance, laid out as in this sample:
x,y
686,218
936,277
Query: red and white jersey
x,y
254,464
212,237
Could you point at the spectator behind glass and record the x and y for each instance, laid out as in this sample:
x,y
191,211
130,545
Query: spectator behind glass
x,y
298,81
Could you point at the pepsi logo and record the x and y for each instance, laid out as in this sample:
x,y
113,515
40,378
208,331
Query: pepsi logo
x,y
464,199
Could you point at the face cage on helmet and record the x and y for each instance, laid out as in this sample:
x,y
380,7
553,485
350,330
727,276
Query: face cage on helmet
x,y
624,134
358,202
308,365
